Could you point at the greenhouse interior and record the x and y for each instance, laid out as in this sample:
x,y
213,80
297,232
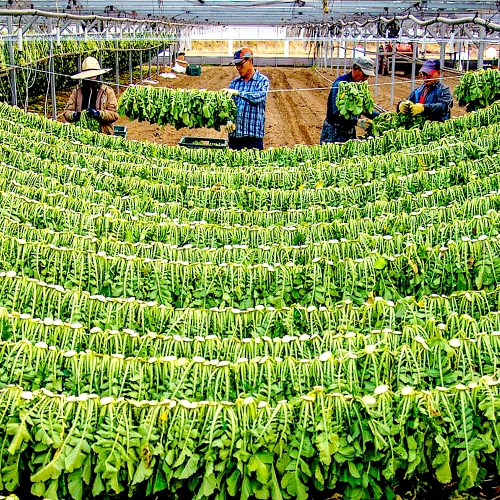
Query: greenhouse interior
x,y
181,185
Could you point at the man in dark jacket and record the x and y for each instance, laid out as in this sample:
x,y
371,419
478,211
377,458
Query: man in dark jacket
x,y
337,128
432,99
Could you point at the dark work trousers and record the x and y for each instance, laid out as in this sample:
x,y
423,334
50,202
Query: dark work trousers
x,y
246,142
333,133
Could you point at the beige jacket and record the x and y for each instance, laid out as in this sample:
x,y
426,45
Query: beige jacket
x,y
106,103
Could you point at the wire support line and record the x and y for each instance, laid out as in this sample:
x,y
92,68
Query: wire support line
x,y
271,91
26,68
382,84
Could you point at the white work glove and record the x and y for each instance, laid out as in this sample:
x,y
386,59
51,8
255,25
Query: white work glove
x,y
230,127
366,124
229,92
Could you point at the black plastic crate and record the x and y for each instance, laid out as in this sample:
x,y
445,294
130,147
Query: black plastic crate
x,y
120,130
203,142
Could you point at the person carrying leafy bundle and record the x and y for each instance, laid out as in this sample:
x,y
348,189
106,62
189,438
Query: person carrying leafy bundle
x,y
337,128
94,97
249,91
432,100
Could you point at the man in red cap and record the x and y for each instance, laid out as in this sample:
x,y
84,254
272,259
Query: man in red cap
x,y
432,99
249,90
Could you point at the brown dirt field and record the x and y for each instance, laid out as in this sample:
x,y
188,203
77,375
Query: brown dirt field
x,y
296,105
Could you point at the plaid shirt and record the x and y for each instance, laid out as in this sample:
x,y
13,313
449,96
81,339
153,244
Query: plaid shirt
x,y
251,104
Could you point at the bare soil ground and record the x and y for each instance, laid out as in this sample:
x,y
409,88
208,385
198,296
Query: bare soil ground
x,y
295,110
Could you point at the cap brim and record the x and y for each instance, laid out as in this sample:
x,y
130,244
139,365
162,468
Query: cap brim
x,y
429,73
368,72
237,61
89,73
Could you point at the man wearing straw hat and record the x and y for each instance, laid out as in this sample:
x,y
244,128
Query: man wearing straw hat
x,y
95,97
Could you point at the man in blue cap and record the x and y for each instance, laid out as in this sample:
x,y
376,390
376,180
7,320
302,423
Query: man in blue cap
x,y
432,99
249,90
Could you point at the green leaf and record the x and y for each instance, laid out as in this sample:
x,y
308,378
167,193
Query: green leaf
x,y
380,263
51,491
209,482
442,461
318,475
275,486
10,475
246,488
75,485
257,464
98,486
38,489
190,468
294,486
160,481
232,483
142,472
51,471
20,436
467,472
353,470
74,459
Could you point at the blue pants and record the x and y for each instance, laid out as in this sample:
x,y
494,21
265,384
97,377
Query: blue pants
x,y
246,142
332,133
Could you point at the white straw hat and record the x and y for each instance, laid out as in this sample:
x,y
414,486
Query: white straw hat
x,y
90,68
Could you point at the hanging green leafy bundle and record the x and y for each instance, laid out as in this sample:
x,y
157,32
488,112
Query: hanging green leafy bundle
x,y
190,108
478,89
353,99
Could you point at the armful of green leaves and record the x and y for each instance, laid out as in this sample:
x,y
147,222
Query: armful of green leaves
x,y
86,122
354,99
